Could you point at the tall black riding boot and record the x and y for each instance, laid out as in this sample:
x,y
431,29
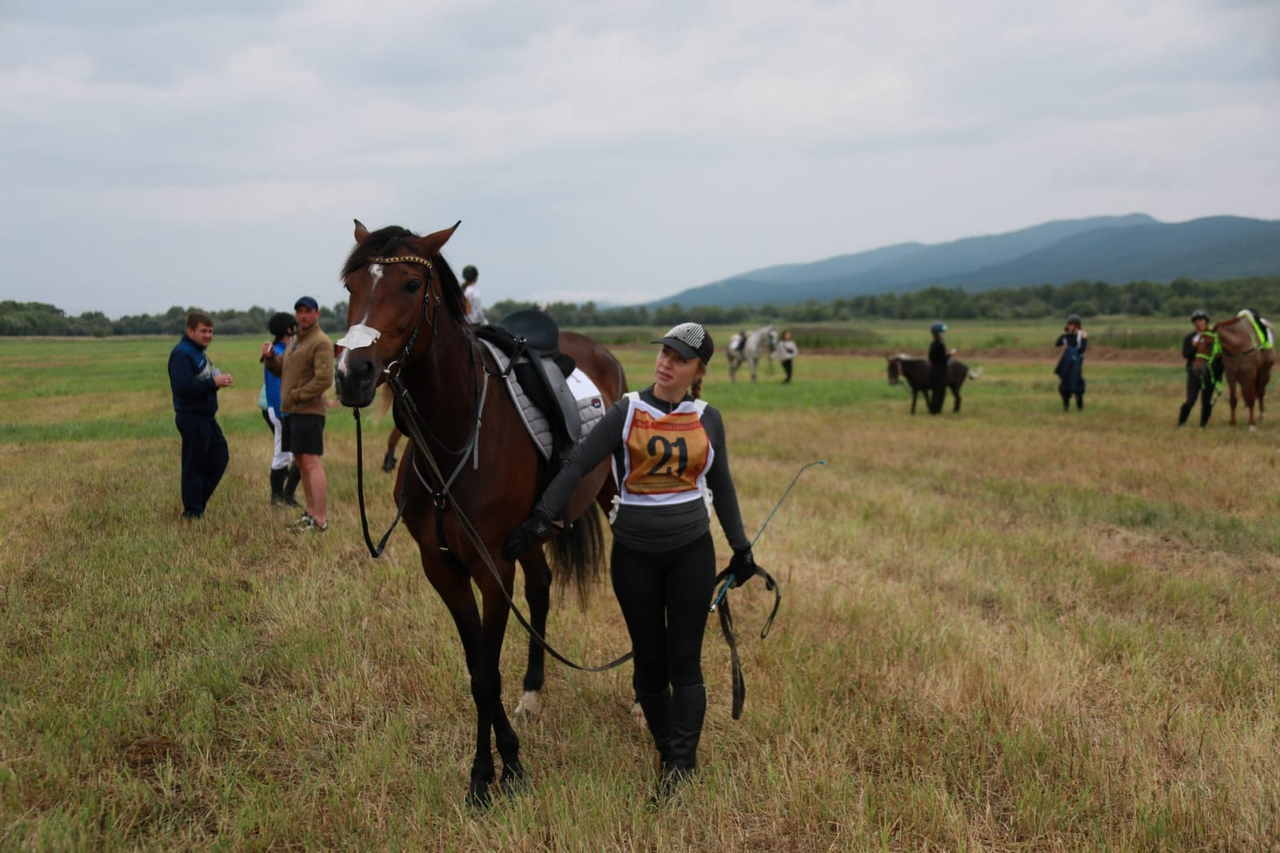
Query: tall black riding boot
x,y
278,476
657,715
1205,412
688,709
291,484
1184,412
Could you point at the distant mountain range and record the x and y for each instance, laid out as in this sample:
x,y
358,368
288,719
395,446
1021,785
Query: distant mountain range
x,y
1115,249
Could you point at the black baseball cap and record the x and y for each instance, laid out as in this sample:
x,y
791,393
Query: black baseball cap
x,y
306,301
691,340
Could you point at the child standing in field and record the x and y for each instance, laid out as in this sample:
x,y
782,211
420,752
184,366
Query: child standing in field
x,y
284,474
1070,369
939,365
669,453
787,350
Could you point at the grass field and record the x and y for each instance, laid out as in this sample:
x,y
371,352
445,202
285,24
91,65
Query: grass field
x,y
1007,629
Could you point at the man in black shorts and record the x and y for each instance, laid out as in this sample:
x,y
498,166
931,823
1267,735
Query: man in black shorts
x,y
306,374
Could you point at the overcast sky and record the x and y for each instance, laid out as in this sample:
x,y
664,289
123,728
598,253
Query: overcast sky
x,y
162,152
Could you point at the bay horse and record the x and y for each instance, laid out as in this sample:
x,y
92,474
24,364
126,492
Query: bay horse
x,y
916,372
1245,363
406,325
749,349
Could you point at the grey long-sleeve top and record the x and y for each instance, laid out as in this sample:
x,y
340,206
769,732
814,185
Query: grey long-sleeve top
x,y
653,529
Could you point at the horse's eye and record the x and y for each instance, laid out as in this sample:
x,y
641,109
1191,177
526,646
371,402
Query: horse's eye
x,y
412,285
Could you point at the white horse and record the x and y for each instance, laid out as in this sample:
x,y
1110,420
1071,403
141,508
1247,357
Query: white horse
x,y
750,349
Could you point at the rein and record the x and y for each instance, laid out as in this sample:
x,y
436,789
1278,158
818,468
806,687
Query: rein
x,y
416,423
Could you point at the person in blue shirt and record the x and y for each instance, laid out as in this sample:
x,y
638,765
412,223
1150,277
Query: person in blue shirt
x,y
195,383
284,472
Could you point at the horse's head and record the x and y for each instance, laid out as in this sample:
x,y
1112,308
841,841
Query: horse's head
x,y
1204,352
773,340
397,284
895,368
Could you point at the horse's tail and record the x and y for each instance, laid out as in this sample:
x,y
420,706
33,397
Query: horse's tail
x,y
975,373
577,556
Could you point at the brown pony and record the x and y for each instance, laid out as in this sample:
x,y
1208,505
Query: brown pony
x,y
405,319
916,372
1244,363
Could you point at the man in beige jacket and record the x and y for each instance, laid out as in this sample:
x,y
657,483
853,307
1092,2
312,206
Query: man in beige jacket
x,y
306,374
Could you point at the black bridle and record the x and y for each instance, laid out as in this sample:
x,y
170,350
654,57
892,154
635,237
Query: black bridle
x,y
441,497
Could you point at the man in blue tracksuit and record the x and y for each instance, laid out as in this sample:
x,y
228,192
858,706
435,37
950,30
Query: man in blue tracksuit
x,y
195,383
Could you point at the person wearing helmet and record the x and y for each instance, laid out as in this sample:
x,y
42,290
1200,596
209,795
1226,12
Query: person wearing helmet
x,y
939,364
668,451
471,296
1200,385
1070,370
284,473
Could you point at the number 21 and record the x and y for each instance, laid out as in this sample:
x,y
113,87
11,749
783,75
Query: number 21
x,y
662,467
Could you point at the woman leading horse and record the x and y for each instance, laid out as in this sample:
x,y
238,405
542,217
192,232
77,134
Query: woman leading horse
x,y
475,473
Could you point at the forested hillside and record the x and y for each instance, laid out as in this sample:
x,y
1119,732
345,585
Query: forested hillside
x,y
1116,249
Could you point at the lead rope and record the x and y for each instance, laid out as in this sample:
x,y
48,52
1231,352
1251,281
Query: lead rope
x,y
375,552
721,603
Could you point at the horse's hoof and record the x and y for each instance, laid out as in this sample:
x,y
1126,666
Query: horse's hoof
x,y
478,798
527,709
515,780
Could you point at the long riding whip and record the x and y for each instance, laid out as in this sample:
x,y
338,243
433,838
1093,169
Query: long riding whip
x,y
729,582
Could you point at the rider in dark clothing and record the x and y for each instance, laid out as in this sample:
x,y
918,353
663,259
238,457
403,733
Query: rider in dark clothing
x,y
1201,386
939,362
1070,369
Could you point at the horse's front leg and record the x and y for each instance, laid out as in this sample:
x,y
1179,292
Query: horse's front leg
x,y
537,592
1231,400
454,585
914,395
486,687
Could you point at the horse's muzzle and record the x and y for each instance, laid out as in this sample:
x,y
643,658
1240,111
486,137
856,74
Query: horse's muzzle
x,y
357,378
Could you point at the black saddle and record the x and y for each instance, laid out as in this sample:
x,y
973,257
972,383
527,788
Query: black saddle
x,y
531,340
539,330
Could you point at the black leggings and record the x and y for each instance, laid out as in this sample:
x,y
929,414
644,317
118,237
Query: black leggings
x,y
1196,390
664,598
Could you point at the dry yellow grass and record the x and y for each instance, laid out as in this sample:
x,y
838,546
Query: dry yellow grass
x,y
1006,630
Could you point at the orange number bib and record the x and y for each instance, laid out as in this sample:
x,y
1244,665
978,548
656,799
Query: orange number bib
x,y
665,455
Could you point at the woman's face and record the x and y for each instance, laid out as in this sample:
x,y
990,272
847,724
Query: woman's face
x,y
673,373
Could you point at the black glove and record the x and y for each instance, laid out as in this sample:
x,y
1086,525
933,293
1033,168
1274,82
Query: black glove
x,y
743,566
531,530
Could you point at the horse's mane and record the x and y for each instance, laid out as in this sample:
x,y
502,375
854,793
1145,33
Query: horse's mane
x,y
387,242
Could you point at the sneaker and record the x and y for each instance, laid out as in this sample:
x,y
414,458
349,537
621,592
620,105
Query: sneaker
x,y
309,525
299,522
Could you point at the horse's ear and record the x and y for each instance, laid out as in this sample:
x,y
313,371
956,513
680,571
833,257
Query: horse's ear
x,y
362,233
433,243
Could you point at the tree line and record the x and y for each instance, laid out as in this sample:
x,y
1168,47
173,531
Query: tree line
x,y
39,318
1086,298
